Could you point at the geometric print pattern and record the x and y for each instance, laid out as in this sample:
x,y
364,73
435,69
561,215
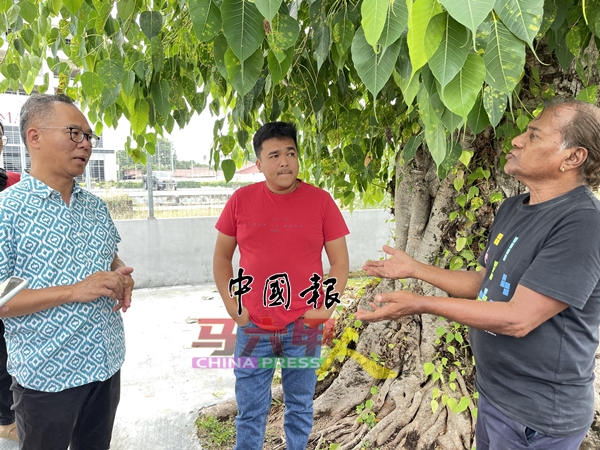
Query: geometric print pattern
x,y
503,282
50,243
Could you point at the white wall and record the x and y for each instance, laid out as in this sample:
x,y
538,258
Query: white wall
x,y
171,252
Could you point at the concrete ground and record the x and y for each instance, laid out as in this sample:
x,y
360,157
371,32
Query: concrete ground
x,y
161,393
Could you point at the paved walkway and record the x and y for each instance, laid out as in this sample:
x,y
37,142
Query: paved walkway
x,y
161,393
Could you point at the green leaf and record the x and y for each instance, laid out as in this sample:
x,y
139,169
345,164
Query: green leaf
x,y
206,19
73,5
461,93
111,72
151,23
429,368
229,168
463,404
522,17
284,34
395,23
12,71
160,96
504,58
374,69
426,27
157,54
374,13
452,52
124,9
454,152
268,8
588,94
437,143
29,11
279,69
128,80
139,117
321,36
92,85
5,5
343,32
478,119
460,243
494,103
471,13
242,26
456,263
411,147
243,74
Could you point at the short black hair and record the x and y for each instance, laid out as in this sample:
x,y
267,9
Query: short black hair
x,y
273,130
39,108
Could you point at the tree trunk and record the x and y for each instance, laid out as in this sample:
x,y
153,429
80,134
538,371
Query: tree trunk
x,y
402,407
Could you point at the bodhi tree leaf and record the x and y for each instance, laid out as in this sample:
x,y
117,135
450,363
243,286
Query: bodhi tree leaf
x,y
522,17
284,33
452,52
374,13
504,58
151,23
243,74
206,19
461,93
242,26
374,69
229,168
425,31
268,8
395,23
471,13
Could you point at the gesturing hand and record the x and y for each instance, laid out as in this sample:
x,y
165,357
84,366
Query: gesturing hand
x,y
400,265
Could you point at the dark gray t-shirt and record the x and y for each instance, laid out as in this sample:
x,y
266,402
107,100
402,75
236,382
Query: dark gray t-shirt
x,y
545,379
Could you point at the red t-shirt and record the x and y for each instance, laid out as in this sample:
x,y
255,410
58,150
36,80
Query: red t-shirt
x,y
13,178
281,239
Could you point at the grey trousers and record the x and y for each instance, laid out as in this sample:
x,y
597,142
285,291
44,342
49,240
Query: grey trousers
x,y
496,431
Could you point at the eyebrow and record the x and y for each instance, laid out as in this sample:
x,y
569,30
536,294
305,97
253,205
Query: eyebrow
x,y
274,152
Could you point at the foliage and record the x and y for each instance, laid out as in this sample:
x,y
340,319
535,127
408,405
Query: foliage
x,y
362,78
215,434
364,410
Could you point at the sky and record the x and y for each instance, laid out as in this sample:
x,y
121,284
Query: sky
x,y
190,143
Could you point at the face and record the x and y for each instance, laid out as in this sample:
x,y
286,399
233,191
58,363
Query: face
x,y
57,154
279,163
537,155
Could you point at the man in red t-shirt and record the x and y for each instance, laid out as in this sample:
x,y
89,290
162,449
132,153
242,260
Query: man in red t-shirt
x,y
281,226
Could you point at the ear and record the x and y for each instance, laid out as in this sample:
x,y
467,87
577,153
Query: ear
x,y
33,138
258,165
576,157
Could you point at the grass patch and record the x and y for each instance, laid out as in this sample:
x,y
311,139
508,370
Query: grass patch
x,y
215,434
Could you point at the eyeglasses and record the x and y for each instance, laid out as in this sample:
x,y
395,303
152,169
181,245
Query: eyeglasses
x,y
78,135
4,140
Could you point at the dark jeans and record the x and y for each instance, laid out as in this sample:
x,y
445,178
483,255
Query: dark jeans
x,y
82,417
7,416
497,431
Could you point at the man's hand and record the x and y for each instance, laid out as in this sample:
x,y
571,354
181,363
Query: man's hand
x,y
315,317
125,302
400,265
396,305
98,284
243,319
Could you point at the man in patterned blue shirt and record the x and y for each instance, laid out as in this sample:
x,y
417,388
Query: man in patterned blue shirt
x,y
64,333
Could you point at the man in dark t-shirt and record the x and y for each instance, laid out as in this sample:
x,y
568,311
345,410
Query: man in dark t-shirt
x,y
534,326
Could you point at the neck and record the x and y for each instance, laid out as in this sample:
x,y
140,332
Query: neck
x,y
288,190
63,185
540,194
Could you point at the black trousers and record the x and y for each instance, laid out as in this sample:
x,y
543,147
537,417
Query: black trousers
x,y
81,417
7,416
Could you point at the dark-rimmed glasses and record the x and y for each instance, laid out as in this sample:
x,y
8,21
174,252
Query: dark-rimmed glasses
x,y
78,136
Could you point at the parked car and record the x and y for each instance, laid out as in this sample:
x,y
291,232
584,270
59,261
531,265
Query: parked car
x,y
163,180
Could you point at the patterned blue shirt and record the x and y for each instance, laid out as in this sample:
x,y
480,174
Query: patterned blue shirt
x,y
50,243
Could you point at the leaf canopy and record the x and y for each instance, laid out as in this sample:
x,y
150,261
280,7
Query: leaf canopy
x,y
363,80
